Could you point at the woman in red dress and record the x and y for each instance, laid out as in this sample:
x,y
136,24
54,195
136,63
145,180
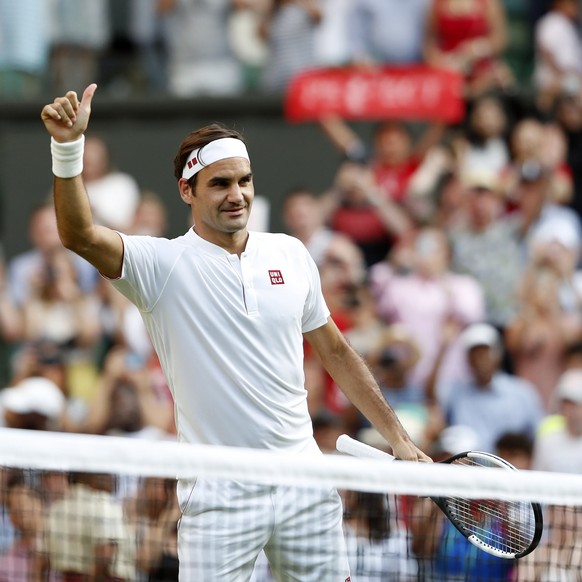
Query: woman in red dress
x,y
469,36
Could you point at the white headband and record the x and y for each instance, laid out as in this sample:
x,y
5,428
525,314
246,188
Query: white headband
x,y
220,149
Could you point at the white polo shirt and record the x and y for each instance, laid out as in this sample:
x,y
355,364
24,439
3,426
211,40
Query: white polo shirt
x,y
228,333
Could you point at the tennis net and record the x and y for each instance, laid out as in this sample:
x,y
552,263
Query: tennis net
x,y
81,507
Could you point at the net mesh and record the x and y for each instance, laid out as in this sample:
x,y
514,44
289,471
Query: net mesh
x,y
77,507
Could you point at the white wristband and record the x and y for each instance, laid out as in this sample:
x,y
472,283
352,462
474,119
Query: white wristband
x,y
67,157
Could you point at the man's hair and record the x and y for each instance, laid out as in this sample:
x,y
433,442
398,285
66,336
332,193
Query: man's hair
x,y
197,139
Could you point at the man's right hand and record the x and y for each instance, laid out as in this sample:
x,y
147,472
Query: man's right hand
x,y
66,118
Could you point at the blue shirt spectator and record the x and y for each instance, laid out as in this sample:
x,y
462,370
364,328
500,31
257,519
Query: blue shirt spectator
x,y
388,32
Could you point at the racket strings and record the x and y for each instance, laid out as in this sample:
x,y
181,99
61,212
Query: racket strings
x,y
492,524
506,525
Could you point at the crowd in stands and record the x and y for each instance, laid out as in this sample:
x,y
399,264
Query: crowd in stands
x,y
450,258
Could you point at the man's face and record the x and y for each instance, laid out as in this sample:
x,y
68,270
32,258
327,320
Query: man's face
x,y
222,198
483,361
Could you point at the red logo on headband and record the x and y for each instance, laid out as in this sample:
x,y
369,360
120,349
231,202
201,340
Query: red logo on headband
x,y
192,163
276,278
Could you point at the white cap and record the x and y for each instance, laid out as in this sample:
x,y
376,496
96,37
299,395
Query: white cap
x,y
480,334
35,394
563,233
570,386
457,438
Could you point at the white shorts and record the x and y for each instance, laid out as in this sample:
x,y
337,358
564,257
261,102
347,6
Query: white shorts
x,y
225,525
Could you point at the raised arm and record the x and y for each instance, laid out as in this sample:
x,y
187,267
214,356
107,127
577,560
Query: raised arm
x,y
66,120
354,378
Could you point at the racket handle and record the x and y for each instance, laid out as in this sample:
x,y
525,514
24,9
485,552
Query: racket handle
x,y
350,446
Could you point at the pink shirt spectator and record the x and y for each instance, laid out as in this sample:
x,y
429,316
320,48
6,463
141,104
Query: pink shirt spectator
x,y
423,305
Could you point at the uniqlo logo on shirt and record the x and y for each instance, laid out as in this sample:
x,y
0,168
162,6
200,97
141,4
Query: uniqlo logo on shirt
x,y
276,278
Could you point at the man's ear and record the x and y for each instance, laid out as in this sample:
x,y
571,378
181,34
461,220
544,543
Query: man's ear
x,y
185,189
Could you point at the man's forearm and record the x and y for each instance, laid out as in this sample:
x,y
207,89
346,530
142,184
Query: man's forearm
x,y
73,210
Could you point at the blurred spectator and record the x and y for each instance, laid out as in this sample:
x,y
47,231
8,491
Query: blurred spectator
x,y
377,546
391,359
516,448
469,36
486,246
492,402
20,561
145,30
289,29
327,427
443,553
569,116
248,44
57,310
303,218
395,157
125,402
558,45
332,47
559,448
542,144
34,403
114,195
387,32
200,58
150,217
426,298
154,513
355,207
484,147
24,48
80,33
26,268
87,535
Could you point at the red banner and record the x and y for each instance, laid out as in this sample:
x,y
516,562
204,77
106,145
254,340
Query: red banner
x,y
414,94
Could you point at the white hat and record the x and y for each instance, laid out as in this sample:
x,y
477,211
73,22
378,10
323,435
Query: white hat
x,y
35,394
570,386
563,233
457,438
480,334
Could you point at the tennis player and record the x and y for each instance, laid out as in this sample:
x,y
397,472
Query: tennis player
x,y
227,311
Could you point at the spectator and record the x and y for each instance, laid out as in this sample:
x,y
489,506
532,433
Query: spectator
x,y
150,217
332,47
145,30
58,311
80,33
492,402
558,44
387,32
114,195
125,402
484,147
34,403
248,42
20,561
559,448
377,544
516,448
290,32
24,48
27,267
354,207
200,58
395,156
426,298
469,38
87,535
486,247
154,513
303,218
535,143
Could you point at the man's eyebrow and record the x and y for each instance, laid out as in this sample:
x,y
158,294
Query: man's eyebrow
x,y
227,178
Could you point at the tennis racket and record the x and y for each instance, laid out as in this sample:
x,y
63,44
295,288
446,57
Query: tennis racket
x,y
507,529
